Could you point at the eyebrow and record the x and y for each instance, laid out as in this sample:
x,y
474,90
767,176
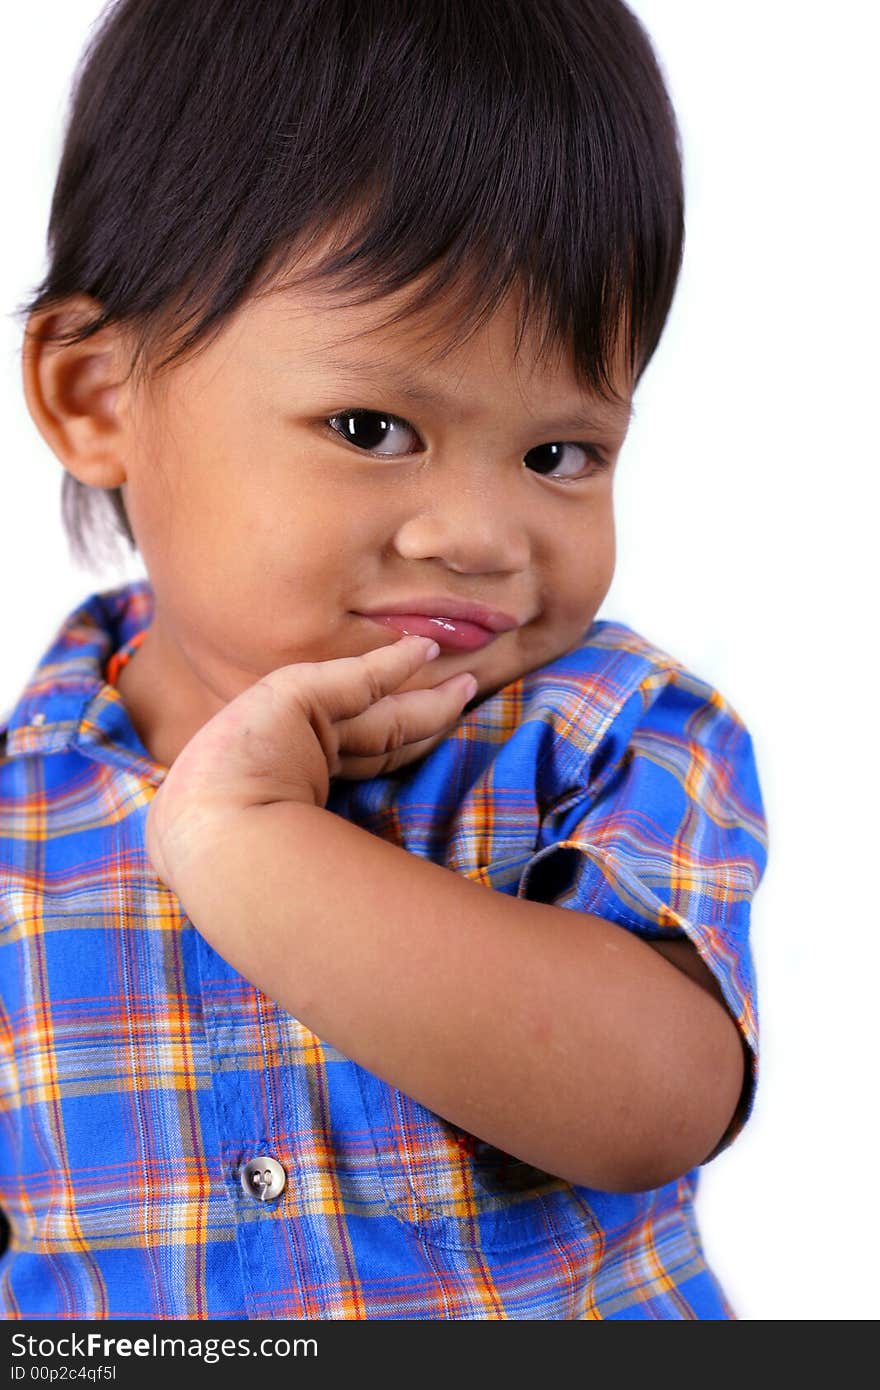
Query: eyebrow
x,y
355,374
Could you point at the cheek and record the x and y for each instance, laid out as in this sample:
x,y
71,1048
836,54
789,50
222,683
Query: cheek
x,y
304,507
582,574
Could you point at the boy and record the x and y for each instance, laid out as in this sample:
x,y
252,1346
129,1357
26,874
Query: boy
x,y
273,1051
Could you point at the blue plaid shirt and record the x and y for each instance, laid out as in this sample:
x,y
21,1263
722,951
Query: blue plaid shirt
x,y
140,1074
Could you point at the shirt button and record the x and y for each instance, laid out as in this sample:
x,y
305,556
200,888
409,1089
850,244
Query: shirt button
x,y
263,1178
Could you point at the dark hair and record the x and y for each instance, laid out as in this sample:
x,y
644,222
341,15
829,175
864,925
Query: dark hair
x,y
496,143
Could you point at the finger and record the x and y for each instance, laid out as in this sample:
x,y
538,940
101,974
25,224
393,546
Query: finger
x,y
346,686
362,769
400,720
356,768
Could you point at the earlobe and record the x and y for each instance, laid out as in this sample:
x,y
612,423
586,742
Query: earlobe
x,y
77,393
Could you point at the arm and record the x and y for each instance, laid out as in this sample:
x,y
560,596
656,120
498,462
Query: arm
x,y
554,1035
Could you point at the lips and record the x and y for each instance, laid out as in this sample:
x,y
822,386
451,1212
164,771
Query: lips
x,y
453,633
456,625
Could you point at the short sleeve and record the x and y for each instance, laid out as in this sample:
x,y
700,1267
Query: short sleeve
x,y
664,833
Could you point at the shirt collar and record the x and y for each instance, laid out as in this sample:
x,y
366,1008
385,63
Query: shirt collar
x,y
67,703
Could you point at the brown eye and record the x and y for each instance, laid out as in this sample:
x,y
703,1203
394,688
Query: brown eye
x,y
373,431
566,460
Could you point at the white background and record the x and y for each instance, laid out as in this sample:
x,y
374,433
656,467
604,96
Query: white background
x,y
746,518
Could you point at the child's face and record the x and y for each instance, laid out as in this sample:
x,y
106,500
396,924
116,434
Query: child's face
x,y
268,537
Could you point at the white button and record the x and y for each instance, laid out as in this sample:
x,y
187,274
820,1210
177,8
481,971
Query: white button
x,y
263,1178
38,719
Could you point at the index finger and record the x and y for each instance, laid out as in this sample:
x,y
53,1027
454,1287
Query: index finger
x,y
346,686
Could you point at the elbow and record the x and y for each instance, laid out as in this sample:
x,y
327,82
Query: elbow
x,y
645,1172
642,1169
675,1125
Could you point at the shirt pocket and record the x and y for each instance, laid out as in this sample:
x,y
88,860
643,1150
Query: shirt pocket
x,y
457,1191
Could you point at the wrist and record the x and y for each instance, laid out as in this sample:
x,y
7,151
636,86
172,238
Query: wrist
x,y
179,833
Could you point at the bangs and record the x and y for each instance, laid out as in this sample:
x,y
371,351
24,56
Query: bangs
x,y
498,149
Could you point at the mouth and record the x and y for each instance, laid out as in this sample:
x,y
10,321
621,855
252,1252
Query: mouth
x,y
456,624
452,634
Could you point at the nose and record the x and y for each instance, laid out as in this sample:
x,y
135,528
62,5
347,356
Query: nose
x,y
470,523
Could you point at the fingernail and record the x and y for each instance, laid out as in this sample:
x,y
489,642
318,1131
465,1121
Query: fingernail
x,y
470,686
432,651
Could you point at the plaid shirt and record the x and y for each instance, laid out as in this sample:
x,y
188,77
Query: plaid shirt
x,y
139,1072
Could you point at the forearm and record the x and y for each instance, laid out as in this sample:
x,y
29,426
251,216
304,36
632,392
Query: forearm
x,y
556,1036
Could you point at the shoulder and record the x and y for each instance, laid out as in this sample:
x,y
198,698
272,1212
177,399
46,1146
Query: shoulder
x,y
616,693
610,665
630,664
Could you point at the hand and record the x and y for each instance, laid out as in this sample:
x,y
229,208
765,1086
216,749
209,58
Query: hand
x,y
284,737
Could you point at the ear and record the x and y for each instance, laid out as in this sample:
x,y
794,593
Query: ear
x,y
77,393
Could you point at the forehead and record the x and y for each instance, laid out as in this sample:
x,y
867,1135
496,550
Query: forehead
x,y
383,341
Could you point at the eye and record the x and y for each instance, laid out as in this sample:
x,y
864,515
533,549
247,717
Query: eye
x,y
390,436
577,460
370,429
